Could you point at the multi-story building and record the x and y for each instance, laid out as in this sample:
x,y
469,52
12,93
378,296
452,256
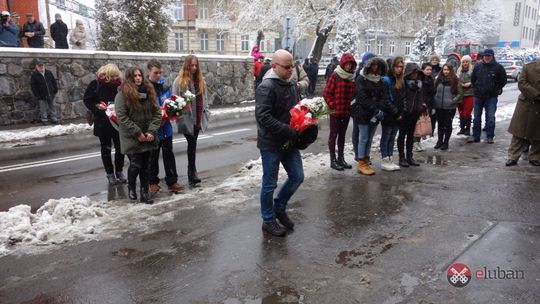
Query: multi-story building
x,y
194,30
519,23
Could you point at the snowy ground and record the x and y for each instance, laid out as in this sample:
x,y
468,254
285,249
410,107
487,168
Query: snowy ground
x,y
74,220
38,132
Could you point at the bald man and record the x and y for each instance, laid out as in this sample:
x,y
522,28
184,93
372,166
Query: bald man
x,y
274,97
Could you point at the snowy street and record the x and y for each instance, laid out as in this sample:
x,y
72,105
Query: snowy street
x,y
388,238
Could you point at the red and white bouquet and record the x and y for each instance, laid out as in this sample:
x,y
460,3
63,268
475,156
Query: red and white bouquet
x,y
175,106
306,113
110,112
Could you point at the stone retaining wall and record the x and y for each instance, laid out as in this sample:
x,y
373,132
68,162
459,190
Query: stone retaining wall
x,y
228,77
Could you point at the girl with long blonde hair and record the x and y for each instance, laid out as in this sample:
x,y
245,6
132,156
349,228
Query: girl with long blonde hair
x,y
190,79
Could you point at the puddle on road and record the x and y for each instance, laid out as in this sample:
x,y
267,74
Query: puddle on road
x,y
436,160
284,295
366,254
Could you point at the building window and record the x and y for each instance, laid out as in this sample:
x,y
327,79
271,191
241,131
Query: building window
x,y
220,42
407,48
245,42
203,10
531,34
179,41
379,47
61,3
368,45
178,10
204,41
392,50
262,46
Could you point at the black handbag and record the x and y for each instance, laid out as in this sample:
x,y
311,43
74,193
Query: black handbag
x,y
90,117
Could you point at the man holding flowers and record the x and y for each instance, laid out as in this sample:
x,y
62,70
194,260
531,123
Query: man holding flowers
x,y
274,97
165,134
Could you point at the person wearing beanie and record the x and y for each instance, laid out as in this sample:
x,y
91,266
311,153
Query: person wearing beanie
x,y
464,97
59,31
488,80
355,133
435,60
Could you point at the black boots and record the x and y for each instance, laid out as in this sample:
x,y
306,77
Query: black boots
x,y
461,126
403,162
112,180
412,162
193,178
467,128
334,164
145,196
132,194
341,161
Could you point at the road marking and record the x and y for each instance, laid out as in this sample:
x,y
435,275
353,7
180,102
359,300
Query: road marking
x,y
65,159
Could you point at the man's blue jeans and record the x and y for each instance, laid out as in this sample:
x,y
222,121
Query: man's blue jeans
x,y
490,104
292,162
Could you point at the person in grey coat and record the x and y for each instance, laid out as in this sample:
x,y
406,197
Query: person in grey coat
x,y
445,103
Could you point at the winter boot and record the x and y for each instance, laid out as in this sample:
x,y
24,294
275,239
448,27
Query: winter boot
x,y
403,162
334,164
112,180
341,161
364,167
440,140
461,126
467,127
132,194
193,178
121,178
411,161
145,196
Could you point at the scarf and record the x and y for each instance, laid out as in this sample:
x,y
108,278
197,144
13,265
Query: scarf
x,y
113,83
371,77
344,74
142,92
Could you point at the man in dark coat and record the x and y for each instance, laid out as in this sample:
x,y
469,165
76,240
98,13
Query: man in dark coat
x,y
274,97
266,66
44,88
33,31
525,123
331,67
313,73
59,31
488,80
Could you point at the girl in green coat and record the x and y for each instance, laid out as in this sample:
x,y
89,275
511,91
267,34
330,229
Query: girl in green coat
x,y
139,119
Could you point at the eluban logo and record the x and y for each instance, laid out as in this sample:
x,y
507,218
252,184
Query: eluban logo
x,y
459,275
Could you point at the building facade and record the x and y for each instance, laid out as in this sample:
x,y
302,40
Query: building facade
x,y
194,30
519,23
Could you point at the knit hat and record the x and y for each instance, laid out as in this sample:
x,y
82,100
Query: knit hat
x,y
489,52
466,58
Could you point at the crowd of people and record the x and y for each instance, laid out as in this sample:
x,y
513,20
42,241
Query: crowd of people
x,y
13,34
395,94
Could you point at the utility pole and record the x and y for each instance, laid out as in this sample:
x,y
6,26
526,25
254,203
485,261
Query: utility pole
x,y
48,21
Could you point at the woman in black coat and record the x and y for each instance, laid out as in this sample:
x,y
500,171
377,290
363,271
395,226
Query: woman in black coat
x,y
104,88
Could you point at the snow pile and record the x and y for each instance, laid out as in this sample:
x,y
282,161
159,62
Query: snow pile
x,y
225,111
56,222
41,132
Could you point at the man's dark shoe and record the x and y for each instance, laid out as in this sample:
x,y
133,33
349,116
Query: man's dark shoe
x,y
511,162
534,162
284,219
412,162
473,140
490,141
403,163
274,228
438,145
444,146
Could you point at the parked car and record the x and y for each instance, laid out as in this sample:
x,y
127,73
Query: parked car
x,y
512,67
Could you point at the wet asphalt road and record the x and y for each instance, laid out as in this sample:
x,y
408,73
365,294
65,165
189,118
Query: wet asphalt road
x,y
388,238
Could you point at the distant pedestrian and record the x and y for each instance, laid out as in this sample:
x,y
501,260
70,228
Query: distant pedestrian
x,y
274,98
331,67
9,32
59,31
415,105
33,31
466,94
340,90
165,135
15,19
257,66
265,68
313,73
525,123
255,53
196,120
300,79
139,118
305,65
44,88
488,80
77,38
434,61
444,104
104,89
390,124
